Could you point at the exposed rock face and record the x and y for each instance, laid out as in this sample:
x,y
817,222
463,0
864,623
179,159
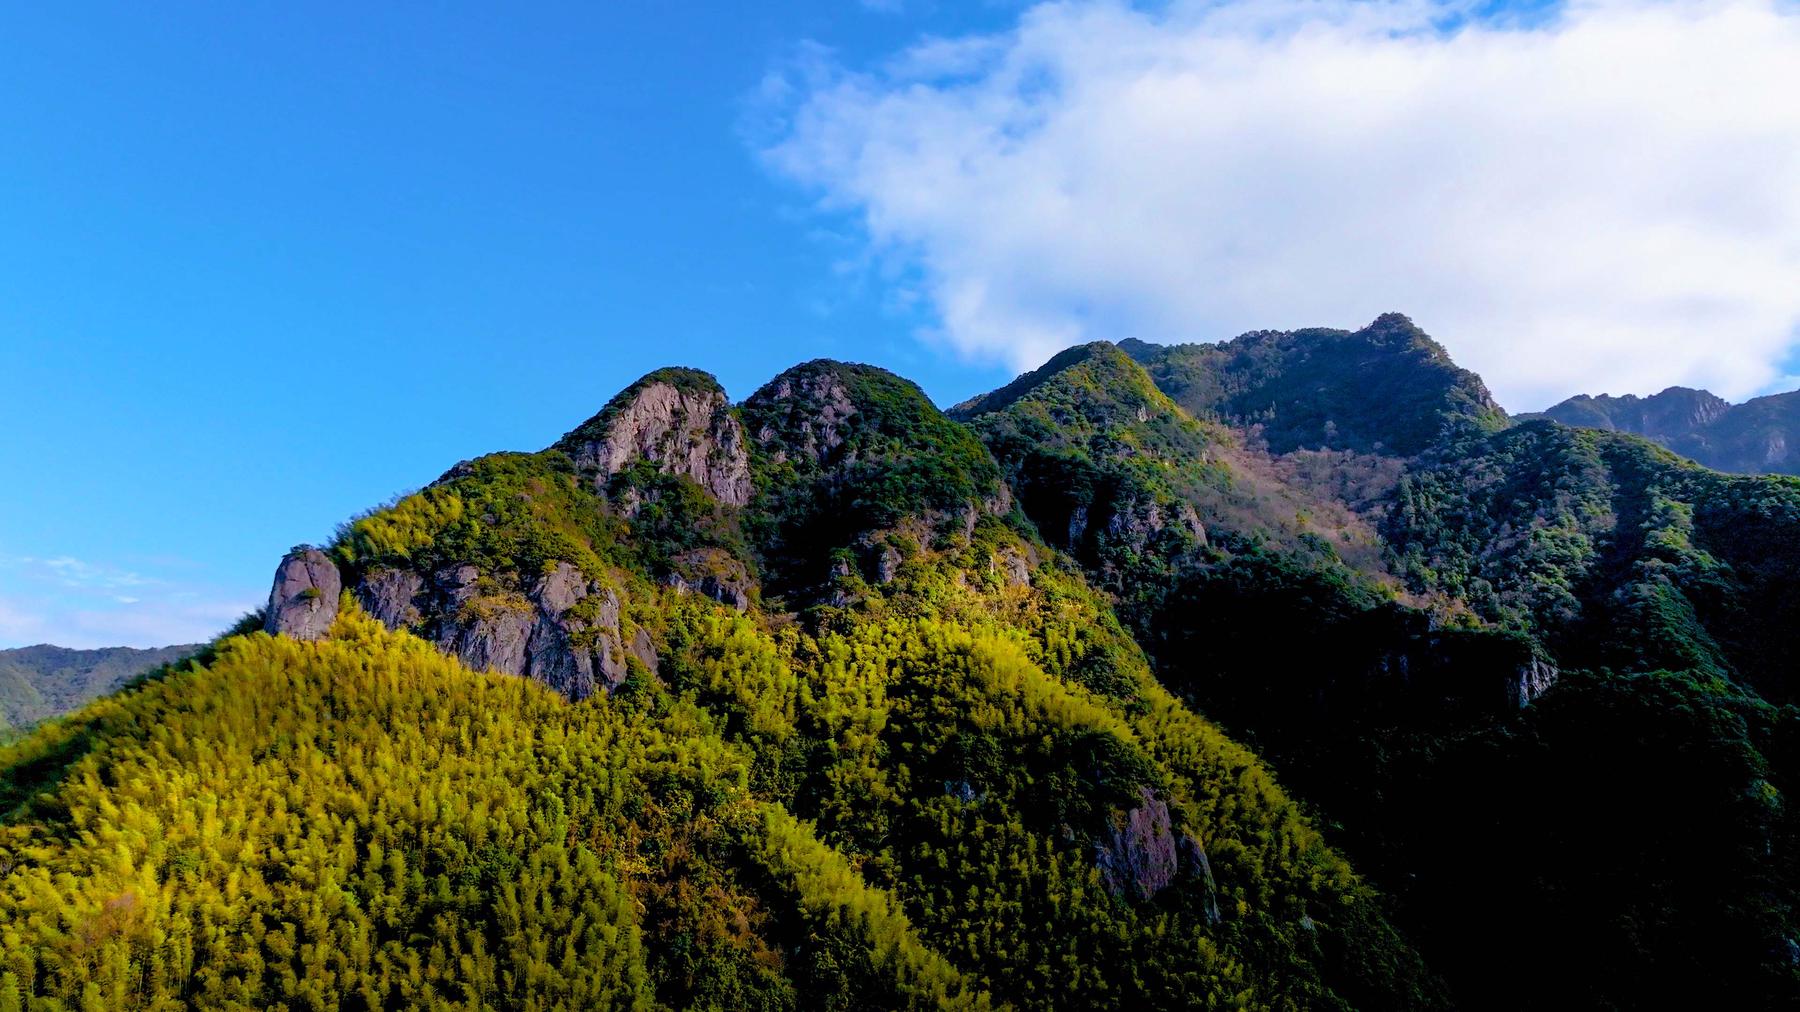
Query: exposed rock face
x,y
683,430
1078,523
566,631
1137,856
1137,524
304,600
1140,856
1014,567
887,564
392,595
490,634
1197,866
1529,681
576,646
714,573
1134,522
1775,451
820,429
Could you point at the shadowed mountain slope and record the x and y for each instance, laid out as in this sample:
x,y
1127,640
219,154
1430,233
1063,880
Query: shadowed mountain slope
x,y
1404,638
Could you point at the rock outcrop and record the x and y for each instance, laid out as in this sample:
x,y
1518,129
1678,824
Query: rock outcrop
x,y
1131,524
1197,866
677,420
304,600
1140,855
1528,681
1015,565
392,595
566,630
820,403
714,573
1137,856
1135,522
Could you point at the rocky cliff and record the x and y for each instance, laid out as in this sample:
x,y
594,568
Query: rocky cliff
x,y
534,564
677,420
517,563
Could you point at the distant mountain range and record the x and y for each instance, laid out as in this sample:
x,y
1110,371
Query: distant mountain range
x,y
1759,436
43,681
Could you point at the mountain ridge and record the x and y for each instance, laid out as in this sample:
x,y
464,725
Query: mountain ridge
x,y
1067,697
44,680
1758,436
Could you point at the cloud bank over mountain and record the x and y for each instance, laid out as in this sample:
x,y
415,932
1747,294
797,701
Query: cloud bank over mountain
x,y
1606,196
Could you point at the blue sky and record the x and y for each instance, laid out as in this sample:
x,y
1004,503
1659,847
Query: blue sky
x,y
263,266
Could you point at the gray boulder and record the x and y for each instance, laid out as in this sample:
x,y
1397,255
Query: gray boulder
x,y
304,600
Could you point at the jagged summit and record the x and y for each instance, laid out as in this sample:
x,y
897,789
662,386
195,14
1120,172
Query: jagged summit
x,y
1675,412
1759,436
825,415
847,456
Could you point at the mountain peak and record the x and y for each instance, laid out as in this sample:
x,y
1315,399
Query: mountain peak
x,y
1096,355
678,420
808,409
1761,435
1388,388
1395,323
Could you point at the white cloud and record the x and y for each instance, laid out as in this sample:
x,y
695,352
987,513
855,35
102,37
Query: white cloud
x,y
73,572
1605,199
156,622
75,603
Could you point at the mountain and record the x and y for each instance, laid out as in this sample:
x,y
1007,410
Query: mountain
x,y
810,718
43,681
1759,436
1387,388
1516,670
1281,673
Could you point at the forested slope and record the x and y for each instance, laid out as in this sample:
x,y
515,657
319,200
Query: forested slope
x,y
829,699
856,740
43,681
1533,665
